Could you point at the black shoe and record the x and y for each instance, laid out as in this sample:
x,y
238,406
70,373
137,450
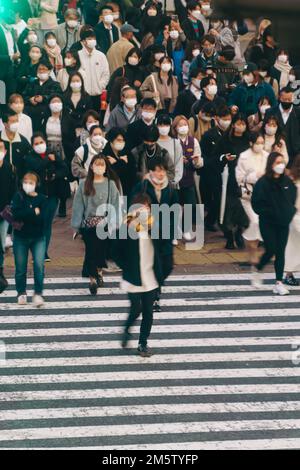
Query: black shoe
x,y
156,306
230,245
93,288
125,338
144,351
291,281
3,281
47,258
100,281
239,240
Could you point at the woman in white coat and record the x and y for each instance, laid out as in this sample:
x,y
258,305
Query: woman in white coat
x,y
292,253
251,166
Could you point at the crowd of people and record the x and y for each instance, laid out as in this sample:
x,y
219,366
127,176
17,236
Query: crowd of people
x,y
122,98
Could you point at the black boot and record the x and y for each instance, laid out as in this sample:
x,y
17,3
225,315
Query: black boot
x,y
230,241
62,210
239,240
3,281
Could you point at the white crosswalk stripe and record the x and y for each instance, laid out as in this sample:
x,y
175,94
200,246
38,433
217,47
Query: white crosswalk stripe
x,y
225,373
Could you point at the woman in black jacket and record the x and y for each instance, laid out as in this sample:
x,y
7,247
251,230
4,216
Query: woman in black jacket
x,y
138,255
53,174
27,71
121,160
273,199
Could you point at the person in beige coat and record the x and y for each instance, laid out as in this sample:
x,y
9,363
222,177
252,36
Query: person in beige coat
x,y
162,86
48,16
117,53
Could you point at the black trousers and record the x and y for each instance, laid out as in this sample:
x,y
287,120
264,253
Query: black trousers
x,y
95,253
275,239
141,303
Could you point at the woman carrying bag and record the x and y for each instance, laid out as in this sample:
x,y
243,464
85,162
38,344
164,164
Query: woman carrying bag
x,y
101,187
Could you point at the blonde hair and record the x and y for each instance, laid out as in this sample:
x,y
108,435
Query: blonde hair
x,y
176,121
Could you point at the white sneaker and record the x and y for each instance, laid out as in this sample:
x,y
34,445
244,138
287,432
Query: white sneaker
x,y
280,289
175,242
22,299
8,242
187,236
112,267
256,279
38,301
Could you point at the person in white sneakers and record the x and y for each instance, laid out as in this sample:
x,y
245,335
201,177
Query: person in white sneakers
x,y
274,198
29,209
95,67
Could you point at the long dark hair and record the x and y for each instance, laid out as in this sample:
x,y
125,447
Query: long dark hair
x,y
270,162
69,91
170,73
89,188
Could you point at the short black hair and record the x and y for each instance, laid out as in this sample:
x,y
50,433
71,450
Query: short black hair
x,y
192,5
105,7
227,52
157,162
151,134
90,33
206,81
7,114
223,111
286,89
149,102
38,134
114,132
164,119
195,72
45,63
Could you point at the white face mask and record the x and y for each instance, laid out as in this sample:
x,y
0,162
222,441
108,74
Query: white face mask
x,y
164,130
116,16
68,62
152,13
89,125
32,38
14,127
197,14
98,141
166,67
51,42
56,107
43,76
212,90
183,130
279,169
195,52
148,115
91,43
283,58
35,56
17,108
263,74
292,78
224,124
2,155
119,146
264,108
271,130
131,102
158,56
174,34
258,148
133,61
240,129
40,148
99,170
108,19
206,118
72,24
28,188
197,83
76,86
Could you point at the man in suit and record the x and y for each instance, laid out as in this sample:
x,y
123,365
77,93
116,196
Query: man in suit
x,y
9,54
106,32
289,118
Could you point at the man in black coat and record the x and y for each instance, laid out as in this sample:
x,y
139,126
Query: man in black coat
x,y
38,92
17,146
188,97
136,130
106,32
210,176
289,119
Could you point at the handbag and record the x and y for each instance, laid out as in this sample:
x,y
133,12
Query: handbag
x,y
246,191
7,215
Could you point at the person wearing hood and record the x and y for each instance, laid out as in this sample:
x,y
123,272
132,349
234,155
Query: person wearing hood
x,y
94,145
126,112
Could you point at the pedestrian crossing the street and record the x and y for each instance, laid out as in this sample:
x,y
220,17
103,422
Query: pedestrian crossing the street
x,y
225,373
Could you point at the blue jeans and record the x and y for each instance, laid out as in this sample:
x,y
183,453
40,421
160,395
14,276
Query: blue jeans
x,y
3,233
51,212
22,246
